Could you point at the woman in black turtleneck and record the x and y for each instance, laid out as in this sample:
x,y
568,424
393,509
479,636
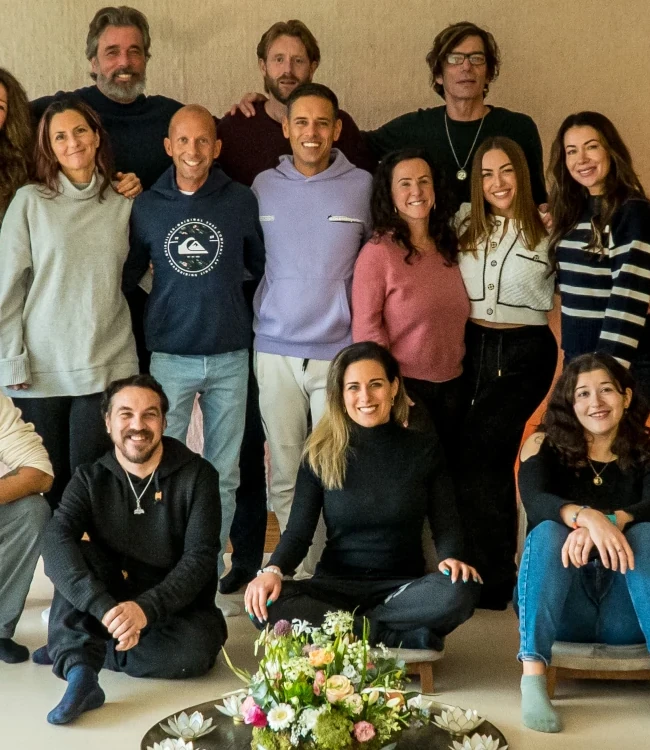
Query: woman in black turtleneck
x,y
375,482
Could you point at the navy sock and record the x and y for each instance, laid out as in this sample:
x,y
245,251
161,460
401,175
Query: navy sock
x,y
12,652
42,656
82,694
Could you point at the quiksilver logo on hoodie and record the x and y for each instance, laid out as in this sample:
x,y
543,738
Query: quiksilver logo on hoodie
x,y
193,247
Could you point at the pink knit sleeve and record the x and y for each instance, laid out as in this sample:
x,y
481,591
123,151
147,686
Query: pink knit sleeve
x,y
369,287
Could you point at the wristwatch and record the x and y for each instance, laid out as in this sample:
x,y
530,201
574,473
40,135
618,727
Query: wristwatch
x,y
270,569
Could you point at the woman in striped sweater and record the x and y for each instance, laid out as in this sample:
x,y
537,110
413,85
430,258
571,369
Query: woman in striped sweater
x,y
601,245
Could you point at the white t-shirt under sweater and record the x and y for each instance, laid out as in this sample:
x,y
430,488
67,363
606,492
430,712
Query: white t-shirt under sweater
x,y
65,326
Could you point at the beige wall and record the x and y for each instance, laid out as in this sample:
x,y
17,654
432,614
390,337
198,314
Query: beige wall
x,y
559,56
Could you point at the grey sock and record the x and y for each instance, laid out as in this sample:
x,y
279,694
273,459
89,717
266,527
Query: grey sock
x,y
537,711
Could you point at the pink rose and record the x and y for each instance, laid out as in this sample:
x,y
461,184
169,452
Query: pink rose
x,y
319,681
247,704
363,731
254,715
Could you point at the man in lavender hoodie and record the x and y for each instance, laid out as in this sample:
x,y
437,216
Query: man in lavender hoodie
x,y
315,215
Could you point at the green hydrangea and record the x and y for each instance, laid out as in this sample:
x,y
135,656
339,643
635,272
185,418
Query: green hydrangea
x,y
269,740
333,731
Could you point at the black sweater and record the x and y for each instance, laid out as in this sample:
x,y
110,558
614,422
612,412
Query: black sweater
x,y
426,129
169,553
546,485
137,130
395,478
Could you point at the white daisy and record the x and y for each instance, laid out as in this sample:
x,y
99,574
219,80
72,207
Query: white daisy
x,y
280,717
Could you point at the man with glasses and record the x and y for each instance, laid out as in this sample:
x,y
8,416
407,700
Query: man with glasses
x,y
464,61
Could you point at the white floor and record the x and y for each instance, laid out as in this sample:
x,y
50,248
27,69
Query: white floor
x,y
479,671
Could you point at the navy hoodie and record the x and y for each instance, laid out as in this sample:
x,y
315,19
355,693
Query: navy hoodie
x,y
199,246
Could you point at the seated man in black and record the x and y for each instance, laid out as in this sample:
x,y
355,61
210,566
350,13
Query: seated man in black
x,y
139,596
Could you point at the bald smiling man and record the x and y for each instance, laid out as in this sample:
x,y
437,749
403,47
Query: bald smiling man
x,y
200,231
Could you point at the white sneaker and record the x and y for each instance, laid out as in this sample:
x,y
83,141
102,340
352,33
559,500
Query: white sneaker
x,y
227,606
45,615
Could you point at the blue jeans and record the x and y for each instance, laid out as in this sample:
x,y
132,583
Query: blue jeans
x,y
221,380
591,604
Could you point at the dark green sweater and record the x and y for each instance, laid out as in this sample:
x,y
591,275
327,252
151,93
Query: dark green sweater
x,y
395,479
426,129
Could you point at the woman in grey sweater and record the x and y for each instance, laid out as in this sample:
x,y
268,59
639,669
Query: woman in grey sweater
x,y
65,331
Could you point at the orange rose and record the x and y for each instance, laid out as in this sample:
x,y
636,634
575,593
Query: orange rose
x,y
319,657
337,688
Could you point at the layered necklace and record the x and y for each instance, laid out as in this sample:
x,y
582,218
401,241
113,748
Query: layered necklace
x,y
462,172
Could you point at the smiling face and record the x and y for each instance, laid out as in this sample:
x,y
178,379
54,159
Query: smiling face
x,y
367,393
74,144
465,81
499,182
4,105
586,158
135,423
286,67
120,63
412,190
598,403
193,146
312,129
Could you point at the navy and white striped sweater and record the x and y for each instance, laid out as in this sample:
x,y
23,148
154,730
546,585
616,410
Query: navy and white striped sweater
x,y
605,296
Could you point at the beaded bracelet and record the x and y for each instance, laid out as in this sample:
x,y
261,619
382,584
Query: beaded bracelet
x,y
574,518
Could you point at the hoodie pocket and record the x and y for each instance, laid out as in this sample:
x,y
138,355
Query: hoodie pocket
x,y
305,311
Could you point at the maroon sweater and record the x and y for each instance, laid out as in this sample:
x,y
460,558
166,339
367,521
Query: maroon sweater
x,y
416,310
254,144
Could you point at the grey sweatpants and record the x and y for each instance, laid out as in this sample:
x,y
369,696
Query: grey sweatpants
x,y
21,525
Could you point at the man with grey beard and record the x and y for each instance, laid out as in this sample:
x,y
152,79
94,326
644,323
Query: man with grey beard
x,y
117,46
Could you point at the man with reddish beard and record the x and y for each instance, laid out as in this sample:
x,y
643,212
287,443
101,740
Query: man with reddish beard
x,y
288,55
138,597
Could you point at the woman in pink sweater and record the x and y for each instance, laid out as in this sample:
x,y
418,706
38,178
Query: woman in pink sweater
x,y
407,291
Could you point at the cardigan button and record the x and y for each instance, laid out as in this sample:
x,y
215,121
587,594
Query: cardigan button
x,y
493,245
493,263
490,286
490,311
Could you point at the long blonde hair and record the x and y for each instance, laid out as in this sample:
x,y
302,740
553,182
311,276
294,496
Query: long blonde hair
x,y
479,225
326,450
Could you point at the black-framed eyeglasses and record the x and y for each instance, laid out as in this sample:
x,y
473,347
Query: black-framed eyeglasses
x,y
458,58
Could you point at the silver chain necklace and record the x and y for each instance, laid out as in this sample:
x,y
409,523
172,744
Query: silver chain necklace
x,y
462,174
139,510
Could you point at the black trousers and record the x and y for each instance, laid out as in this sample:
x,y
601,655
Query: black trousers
x,y
73,433
443,403
506,375
414,613
248,529
183,645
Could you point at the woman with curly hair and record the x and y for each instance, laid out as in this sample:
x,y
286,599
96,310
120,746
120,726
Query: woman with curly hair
x,y
375,482
407,291
65,330
16,138
601,244
585,484
511,353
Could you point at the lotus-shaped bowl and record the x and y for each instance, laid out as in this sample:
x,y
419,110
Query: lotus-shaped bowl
x,y
172,744
188,727
478,742
456,721
232,705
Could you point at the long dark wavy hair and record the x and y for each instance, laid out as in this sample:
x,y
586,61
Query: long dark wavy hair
x,y
47,165
386,220
568,199
566,435
16,140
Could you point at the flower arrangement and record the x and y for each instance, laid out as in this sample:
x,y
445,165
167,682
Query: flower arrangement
x,y
324,689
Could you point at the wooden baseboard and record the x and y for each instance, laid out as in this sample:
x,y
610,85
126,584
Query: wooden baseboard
x,y
272,534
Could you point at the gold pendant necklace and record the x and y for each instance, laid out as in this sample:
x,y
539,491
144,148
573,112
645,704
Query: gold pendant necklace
x,y
597,474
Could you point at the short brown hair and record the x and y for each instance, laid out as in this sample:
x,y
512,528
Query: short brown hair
x,y
116,16
293,28
47,165
452,36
